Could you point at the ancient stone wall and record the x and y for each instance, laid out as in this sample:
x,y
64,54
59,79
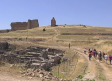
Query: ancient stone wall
x,y
18,26
53,22
24,25
5,31
4,45
33,23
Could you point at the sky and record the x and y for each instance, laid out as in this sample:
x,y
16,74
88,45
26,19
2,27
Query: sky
x,y
70,12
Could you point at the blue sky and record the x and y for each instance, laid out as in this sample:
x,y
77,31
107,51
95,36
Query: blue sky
x,y
87,12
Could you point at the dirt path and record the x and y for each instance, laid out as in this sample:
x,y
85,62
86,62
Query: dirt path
x,y
92,69
100,71
55,37
107,70
79,66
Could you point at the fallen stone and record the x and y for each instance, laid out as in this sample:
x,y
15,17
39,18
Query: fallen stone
x,y
41,75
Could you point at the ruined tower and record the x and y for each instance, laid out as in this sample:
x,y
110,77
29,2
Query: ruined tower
x,y
53,22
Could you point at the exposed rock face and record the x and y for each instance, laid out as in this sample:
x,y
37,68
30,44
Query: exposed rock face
x,y
4,45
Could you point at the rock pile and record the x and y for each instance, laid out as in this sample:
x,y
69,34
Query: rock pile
x,y
44,75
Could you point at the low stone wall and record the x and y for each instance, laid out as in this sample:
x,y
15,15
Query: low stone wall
x,y
4,45
5,31
86,33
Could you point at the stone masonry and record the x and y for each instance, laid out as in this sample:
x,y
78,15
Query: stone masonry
x,y
28,25
24,25
34,57
4,45
53,22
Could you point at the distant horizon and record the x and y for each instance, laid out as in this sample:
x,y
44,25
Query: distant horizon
x,y
64,25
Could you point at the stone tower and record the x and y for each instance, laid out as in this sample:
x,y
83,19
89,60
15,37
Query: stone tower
x,y
53,22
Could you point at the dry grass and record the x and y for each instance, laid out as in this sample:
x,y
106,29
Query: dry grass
x,y
71,68
36,32
99,42
85,30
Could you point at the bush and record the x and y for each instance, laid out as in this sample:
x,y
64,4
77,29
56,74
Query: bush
x,y
80,76
84,25
44,29
90,80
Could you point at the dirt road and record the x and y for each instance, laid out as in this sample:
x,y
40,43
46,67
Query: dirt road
x,y
99,71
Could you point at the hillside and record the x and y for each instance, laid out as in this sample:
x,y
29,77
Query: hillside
x,y
54,35
79,37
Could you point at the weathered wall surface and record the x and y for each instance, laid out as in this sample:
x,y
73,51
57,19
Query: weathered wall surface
x,y
24,25
33,23
5,31
18,26
53,22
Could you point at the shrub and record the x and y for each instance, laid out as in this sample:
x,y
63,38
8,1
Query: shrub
x,y
90,80
80,76
44,29
84,25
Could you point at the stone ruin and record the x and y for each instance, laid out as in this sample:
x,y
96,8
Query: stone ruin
x,y
37,59
4,46
24,25
28,25
53,22
34,57
5,31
